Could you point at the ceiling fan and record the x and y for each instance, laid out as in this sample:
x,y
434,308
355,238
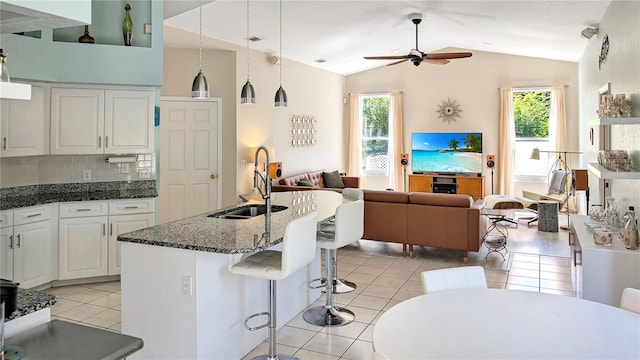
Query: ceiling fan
x,y
416,56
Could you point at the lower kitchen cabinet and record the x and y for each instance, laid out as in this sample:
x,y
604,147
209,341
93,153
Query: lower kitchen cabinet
x,y
27,247
88,235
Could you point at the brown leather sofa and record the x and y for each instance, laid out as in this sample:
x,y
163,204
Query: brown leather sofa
x,y
439,220
289,183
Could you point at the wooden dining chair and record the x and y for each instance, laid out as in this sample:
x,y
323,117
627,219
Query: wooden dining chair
x,y
630,300
465,277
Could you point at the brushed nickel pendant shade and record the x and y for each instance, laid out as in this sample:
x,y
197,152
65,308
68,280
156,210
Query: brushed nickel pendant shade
x,y
248,94
200,86
281,95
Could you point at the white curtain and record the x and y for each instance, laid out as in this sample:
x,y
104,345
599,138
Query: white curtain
x,y
354,165
507,138
558,119
396,142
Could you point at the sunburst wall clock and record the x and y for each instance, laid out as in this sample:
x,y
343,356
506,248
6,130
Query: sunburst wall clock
x,y
448,110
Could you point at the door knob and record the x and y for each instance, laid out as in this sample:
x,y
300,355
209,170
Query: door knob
x,y
213,176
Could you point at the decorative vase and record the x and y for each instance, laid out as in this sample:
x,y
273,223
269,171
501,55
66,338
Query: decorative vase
x,y
127,26
86,38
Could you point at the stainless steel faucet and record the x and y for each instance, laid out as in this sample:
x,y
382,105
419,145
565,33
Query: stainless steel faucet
x,y
266,195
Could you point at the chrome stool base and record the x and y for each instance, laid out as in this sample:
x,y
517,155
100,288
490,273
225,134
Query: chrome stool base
x,y
341,286
328,316
277,357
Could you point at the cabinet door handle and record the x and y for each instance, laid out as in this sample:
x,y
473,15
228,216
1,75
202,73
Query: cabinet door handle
x,y
131,207
10,241
104,229
4,143
99,141
111,229
18,244
83,209
33,215
106,141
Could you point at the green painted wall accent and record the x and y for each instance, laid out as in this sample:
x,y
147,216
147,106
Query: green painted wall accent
x,y
47,60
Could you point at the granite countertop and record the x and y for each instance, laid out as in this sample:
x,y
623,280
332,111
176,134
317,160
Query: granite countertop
x,y
23,196
228,236
30,301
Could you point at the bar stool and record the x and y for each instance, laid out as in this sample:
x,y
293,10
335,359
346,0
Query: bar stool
x,y
341,286
298,250
349,228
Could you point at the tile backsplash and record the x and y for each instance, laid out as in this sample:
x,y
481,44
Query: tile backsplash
x,y
57,169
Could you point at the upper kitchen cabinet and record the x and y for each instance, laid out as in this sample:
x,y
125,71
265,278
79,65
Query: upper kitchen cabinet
x,y
25,124
96,121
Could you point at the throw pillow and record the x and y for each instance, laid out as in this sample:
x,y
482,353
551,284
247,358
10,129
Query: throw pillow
x,y
332,180
558,182
304,182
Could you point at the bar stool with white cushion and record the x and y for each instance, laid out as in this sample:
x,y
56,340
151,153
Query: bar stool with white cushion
x,y
349,228
298,250
464,277
630,300
341,286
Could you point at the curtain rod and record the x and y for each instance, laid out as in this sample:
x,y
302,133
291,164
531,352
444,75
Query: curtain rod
x,y
534,87
376,93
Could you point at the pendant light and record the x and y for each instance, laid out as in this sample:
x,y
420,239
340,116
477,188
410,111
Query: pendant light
x,y
247,95
281,95
200,87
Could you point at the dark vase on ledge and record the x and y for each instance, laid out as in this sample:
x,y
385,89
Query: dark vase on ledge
x,y
127,26
86,38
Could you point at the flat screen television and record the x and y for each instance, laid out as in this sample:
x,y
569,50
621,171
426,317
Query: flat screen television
x,y
446,152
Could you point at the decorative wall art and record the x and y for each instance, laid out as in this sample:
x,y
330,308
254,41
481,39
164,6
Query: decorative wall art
x,y
303,130
604,52
448,110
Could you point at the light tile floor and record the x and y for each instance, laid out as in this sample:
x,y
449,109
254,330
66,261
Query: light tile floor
x,y
535,261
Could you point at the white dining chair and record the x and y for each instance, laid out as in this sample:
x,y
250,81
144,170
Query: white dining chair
x,y
465,277
630,300
378,356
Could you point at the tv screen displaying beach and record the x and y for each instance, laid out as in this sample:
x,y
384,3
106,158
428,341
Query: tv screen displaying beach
x,y
447,152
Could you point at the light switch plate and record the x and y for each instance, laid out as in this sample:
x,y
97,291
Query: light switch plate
x,y
147,28
144,173
124,168
86,175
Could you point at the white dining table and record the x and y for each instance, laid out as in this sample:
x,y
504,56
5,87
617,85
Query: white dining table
x,y
505,324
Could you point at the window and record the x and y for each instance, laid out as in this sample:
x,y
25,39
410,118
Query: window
x,y
531,110
374,127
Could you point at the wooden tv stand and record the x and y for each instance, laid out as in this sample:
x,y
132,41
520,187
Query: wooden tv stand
x,y
449,184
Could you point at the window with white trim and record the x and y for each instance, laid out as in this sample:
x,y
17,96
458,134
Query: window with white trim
x,y
531,109
374,134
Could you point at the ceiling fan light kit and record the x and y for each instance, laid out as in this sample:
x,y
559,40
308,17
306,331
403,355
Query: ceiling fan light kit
x,y
416,56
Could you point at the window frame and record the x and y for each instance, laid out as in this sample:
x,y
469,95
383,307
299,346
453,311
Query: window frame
x,y
363,137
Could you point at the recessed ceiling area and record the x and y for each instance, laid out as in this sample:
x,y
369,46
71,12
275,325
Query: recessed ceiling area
x,y
343,32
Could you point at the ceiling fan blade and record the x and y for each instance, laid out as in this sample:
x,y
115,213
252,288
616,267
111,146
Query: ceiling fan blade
x,y
456,55
397,62
397,57
436,61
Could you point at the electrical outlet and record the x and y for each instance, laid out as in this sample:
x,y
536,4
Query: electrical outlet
x,y
124,168
243,163
187,288
144,173
86,175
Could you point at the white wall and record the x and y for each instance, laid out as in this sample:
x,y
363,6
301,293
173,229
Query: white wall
x,y
474,84
622,69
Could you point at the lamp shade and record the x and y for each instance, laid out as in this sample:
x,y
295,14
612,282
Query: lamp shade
x,y
535,154
200,87
247,95
281,97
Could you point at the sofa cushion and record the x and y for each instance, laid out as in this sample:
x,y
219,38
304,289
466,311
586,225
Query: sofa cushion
x,y
316,178
332,180
386,196
304,182
293,180
451,200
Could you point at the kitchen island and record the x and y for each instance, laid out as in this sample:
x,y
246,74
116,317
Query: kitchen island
x,y
179,296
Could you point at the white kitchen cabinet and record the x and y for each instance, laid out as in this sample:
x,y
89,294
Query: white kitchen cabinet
x,y
28,247
88,233
98,121
25,124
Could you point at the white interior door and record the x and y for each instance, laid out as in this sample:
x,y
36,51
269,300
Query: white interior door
x,y
189,157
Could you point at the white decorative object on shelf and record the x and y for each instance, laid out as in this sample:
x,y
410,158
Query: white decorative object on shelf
x,y
303,130
614,106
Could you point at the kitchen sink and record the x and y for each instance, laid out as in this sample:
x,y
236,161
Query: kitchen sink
x,y
246,212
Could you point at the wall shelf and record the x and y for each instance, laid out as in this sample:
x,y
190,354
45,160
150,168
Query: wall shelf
x,y
604,173
614,121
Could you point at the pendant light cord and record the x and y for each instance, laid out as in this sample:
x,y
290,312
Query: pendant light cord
x,y
200,41
247,40
280,43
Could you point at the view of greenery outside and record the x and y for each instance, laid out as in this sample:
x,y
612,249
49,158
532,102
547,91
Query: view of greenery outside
x,y
375,127
531,113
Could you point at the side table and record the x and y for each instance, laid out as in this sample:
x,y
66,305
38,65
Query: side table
x,y
548,216
495,239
